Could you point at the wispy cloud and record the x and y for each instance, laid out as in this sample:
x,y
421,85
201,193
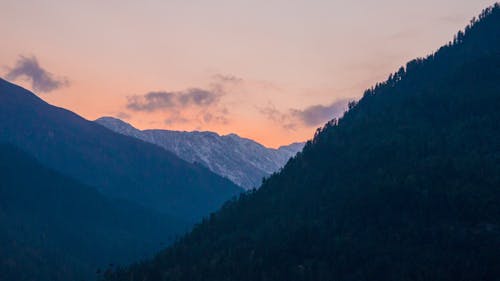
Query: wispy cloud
x,y
311,116
193,105
123,115
318,114
219,117
175,119
41,80
272,113
227,78
162,100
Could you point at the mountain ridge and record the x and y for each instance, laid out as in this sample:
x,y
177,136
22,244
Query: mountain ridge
x,y
118,166
404,186
242,160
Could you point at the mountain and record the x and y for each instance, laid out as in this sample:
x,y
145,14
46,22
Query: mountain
x,y
405,186
292,149
54,228
118,166
243,161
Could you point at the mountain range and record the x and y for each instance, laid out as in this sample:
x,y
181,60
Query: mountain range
x,y
243,161
75,196
404,186
118,166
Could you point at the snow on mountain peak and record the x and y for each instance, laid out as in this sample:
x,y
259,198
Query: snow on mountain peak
x,y
243,161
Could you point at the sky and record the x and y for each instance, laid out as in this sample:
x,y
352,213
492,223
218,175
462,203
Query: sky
x,y
273,71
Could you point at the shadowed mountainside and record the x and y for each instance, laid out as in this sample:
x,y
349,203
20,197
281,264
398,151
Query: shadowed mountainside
x,y
405,186
118,165
53,228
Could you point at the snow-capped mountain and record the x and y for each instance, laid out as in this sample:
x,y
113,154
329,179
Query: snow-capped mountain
x,y
243,161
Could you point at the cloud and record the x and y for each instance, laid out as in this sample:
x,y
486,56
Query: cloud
x,y
198,97
285,119
309,117
175,119
319,114
227,78
123,115
272,113
219,118
151,101
205,116
193,105
41,80
154,101
199,106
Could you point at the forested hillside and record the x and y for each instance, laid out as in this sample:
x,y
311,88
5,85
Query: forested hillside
x,y
405,186
53,228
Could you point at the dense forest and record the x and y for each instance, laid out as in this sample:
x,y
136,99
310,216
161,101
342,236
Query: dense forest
x,y
405,186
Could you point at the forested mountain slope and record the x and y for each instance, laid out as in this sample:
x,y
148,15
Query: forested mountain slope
x,y
405,186
53,228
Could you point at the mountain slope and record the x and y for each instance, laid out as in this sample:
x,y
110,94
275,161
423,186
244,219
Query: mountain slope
x,y
119,166
405,186
54,228
243,161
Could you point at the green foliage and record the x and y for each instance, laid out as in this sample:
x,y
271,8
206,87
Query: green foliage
x,y
405,186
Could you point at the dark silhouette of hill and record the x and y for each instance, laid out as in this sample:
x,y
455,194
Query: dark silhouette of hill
x,y
54,228
405,186
119,166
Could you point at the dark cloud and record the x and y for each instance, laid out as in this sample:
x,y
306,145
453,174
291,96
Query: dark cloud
x,y
41,80
319,114
198,97
193,105
151,101
154,101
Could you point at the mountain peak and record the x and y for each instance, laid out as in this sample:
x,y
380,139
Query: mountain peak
x,y
118,165
242,160
120,126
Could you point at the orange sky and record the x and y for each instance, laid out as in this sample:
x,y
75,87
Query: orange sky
x,y
271,70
